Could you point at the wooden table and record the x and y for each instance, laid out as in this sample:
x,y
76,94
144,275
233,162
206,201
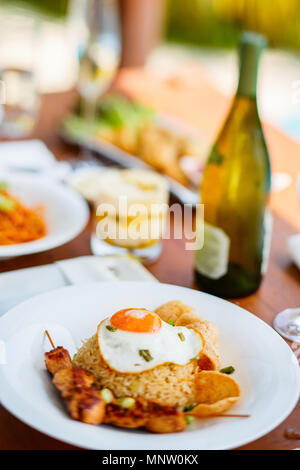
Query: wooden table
x,y
201,105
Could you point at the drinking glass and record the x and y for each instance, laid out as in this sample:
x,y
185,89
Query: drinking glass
x,y
99,56
18,92
130,214
287,323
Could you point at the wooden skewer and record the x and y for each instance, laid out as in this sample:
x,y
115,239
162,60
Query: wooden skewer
x,y
232,416
220,416
50,339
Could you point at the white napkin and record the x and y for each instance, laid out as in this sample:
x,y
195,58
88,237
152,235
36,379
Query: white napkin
x,y
17,286
86,269
294,248
31,156
27,154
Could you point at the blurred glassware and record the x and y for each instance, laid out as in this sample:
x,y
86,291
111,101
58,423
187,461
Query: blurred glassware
x,y
130,212
287,324
100,55
19,97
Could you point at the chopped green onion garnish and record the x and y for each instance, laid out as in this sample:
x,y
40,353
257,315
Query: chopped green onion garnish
x,y
227,370
6,204
74,356
145,354
189,419
196,358
135,386
181,336
171,322
3,185
189,407
111,328
126,402
106,395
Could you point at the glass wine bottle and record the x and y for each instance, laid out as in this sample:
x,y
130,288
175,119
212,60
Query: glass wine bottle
x,y
234,191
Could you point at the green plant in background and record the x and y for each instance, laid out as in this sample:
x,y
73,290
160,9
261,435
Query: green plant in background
x,y
52,8
194,22
219,22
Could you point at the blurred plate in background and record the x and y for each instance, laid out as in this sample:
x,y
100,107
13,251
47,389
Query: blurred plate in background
x,y
65,212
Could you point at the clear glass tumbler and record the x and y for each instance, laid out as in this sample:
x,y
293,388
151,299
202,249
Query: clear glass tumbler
x,y
19,99
131,213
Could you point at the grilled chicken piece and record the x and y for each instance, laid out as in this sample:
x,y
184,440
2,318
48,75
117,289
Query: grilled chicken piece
x,y
86,405
156,418
165,419
57,359
71,379
134,417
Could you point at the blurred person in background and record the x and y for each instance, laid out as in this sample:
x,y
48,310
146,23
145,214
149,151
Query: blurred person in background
x,y
142,26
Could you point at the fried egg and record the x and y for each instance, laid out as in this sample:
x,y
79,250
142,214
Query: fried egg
x,y
135,339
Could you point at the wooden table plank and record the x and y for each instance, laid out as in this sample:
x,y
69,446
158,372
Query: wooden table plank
x,y
280,288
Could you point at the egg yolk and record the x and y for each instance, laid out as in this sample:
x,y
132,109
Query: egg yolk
x,y
136,320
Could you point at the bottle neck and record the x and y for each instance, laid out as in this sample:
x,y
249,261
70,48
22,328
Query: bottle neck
x,y
249,60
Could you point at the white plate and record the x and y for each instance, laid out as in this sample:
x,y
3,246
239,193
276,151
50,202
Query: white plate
x,y
66,212
266,368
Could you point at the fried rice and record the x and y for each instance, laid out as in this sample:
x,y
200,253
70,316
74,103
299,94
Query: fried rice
x,y
167,384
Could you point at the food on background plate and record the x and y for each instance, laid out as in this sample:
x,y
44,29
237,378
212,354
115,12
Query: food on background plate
x,y
141,221
146,369
87,181
134,128
18,223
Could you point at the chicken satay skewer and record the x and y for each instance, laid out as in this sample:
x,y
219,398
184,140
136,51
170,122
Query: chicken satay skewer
x,y
75,385
56,359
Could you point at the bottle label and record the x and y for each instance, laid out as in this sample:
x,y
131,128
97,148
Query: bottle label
x,y
268,226
212,259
